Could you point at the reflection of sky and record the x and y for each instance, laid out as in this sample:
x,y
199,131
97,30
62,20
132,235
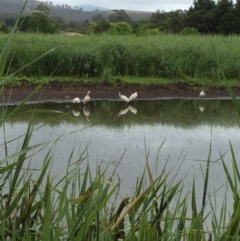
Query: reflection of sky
x,y
185,150
107,145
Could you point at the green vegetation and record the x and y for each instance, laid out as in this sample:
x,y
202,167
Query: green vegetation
x,y
205,16
35,206
179,58
40,21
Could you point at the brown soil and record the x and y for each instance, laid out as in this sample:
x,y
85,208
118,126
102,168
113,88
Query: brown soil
x,y
59,93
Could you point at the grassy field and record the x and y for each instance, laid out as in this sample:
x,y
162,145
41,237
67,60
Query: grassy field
x,y
144,60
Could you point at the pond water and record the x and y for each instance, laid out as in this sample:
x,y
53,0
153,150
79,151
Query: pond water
x,y
176,131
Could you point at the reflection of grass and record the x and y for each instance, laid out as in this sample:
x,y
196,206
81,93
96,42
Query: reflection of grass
x,y
181,113
78,206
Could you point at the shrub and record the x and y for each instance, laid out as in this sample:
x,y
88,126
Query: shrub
x,y
120,28
151,32
189,31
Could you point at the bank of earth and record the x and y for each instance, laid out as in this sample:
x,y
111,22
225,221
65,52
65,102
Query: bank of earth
x,y
61,92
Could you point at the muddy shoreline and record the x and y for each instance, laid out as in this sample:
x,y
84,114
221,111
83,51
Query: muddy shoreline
x,y
60,93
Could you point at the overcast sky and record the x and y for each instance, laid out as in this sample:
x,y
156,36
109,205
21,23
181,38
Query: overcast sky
x,y
142,5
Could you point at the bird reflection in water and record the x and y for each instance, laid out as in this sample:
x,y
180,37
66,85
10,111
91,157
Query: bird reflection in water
x,y
86,112
125,111
201,108
76,112
132,109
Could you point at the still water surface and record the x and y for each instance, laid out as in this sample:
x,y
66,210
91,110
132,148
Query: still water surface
x,y
177,131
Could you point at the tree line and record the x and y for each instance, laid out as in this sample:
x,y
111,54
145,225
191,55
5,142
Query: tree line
x,y
203,17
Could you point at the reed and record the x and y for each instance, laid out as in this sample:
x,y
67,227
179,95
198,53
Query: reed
x,y
165,56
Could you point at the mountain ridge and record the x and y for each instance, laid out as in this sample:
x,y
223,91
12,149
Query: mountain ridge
x,y
11,9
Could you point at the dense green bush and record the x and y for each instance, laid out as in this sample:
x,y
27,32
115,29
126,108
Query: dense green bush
x,y
189,31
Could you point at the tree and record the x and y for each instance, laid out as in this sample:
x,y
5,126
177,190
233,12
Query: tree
x,y
119,16
158,19
97,17
3,27
24,24
10,21
98,27
174,21
237,17
226,17
203,4
202,16
41,22
122,28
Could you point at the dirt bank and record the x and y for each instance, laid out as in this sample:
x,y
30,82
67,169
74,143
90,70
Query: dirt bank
x,y
58,92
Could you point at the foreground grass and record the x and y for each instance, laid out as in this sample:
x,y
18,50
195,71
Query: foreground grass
x,y
145,60
87,206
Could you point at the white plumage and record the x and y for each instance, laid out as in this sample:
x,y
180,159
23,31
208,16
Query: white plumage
x,y
133,96
202,94
76,100
86,98
123,97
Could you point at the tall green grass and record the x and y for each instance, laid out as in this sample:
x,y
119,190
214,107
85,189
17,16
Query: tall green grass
x,y
34,206
165,56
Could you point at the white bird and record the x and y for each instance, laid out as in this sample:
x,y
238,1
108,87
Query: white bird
x,y
76,100
86,98
123,111
76,112
202,94
132,109
123,97
86,112
201,108
133,96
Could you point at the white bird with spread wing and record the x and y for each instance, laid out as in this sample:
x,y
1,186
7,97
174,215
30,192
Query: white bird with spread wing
x,y
123,97
133,96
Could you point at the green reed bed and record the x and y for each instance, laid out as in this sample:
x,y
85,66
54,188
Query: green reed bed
x,y
103,56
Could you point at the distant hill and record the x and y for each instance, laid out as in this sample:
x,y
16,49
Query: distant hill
x,y
86,7
11,8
